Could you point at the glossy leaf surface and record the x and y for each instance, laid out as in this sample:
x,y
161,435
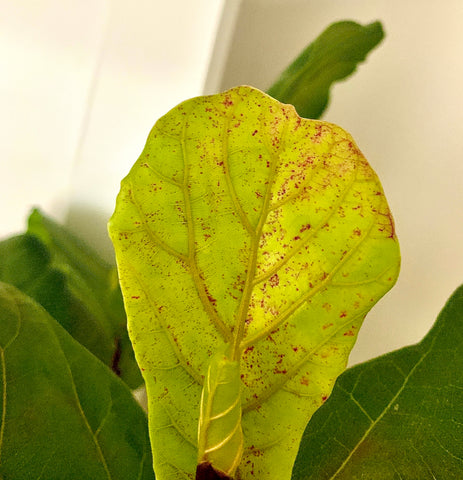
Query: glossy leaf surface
x,y
399,416
331,57
64,415
244,228
75,286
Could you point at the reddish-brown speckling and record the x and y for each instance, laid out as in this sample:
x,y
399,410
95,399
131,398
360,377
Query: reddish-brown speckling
x,y
305,227
258,194
248,349
305,381
343,314
324,398
212,300
227,102
391,221
295,348
357,232
274,280
350,333
254,132
277,371
135,297
296,237
327,325
255,451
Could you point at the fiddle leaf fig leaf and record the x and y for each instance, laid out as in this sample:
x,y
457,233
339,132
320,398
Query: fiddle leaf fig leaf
x,y
397,416
246,237
64,414
75,286
331,57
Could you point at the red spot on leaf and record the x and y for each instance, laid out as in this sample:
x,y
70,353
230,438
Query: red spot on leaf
x,y
326,306
227,102
212,300
305,381
305,227
274,280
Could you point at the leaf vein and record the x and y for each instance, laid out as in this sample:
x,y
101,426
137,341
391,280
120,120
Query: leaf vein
x,y
380,417
252,263
153,236
197,279
311,234
166,331
310,294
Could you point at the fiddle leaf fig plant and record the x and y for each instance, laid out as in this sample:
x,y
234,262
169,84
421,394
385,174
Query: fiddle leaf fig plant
x,y
250,244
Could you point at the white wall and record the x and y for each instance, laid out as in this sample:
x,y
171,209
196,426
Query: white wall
x,y
82,83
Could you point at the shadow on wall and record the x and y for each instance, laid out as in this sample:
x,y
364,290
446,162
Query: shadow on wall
x,y
90,225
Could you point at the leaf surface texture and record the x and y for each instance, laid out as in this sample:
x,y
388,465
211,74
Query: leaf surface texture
x,y
399,416
247,229
64,415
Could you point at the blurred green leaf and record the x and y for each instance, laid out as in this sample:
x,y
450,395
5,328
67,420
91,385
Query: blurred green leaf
x,y
75,286
64,415
399,416
333,56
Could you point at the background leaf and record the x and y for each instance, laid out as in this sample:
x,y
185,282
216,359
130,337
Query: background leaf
x,y
64,415
245,229
399,416
75,286
331,57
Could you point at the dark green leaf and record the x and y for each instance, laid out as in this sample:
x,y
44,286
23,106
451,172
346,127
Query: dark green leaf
x,y
75,286
399,416
333,56
64,415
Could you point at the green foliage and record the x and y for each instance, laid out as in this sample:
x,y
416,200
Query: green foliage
x,y
333,56
245,229
398,416
58,421
75,286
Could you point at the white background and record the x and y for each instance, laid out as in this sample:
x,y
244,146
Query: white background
x,y
82,83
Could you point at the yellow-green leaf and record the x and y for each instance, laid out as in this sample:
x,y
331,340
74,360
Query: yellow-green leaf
x,y
247,231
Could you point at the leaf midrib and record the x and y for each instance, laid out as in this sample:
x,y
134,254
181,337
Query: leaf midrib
x,y
385,410
238,345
